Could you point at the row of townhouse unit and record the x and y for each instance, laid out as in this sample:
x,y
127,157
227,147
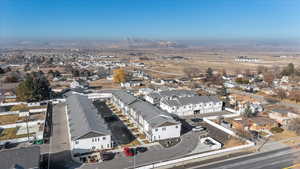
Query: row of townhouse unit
x,y
155,123
187,106
156,97
184,102
88,130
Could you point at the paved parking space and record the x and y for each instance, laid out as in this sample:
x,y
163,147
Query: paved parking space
x,y
155,153
120,132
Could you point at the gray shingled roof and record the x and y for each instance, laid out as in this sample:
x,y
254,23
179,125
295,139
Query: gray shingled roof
x,y
84,117
153,115
26,158
190,100
171,93
124,96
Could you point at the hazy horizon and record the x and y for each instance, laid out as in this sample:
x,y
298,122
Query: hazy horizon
x,y
165,20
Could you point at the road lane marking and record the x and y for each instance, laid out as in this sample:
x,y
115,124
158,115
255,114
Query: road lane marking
x,y
293,166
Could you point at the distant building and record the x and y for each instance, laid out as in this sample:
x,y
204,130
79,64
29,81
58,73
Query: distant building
x,y
134,83
79,84
246,59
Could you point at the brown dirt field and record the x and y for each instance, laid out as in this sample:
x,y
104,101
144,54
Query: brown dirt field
x,y
103,83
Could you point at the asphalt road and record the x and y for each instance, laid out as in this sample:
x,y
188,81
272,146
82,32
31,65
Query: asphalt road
x,y
277,159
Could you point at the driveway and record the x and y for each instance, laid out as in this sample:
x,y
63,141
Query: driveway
x,y
60,156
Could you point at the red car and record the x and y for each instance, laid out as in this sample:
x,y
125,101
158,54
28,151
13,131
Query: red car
x,y
128,151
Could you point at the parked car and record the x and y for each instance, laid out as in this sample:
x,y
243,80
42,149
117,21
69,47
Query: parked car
x,y
196,120
128,151
141,149
107,156
198,128
209,142
7,145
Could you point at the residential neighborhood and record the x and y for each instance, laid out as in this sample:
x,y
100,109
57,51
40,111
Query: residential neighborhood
x,y
165,84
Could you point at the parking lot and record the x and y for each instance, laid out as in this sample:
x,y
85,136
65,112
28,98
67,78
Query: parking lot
x,y
213,132
120,133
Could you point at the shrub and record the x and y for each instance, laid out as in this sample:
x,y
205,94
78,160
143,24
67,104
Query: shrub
x,y
276,130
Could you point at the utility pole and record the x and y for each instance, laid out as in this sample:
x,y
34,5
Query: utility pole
x,y
27,118
133,161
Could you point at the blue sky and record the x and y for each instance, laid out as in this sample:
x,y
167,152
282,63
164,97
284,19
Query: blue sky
x,y
155,19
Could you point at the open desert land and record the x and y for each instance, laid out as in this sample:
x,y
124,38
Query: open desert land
x,y
220,60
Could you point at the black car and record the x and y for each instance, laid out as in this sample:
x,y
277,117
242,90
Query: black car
x,y
141,149
107,156
208,142
196,120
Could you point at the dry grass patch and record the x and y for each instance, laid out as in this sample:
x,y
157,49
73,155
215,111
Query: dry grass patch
x,y
292,142
10,119
232,142
132,144
130,125
135,130
142,136
283,135
11,133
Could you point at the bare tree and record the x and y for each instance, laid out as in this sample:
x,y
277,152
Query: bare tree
x,y
248,72
281,93
295,95
294,125
269,77
191,71
261,69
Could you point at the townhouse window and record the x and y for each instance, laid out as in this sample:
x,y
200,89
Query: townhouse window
x,y
76,142
98,139
176,126
156,129
103,138
92,139
164,129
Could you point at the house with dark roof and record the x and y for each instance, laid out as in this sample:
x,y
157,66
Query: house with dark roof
x,y
186,106
88,130
154,122
24,158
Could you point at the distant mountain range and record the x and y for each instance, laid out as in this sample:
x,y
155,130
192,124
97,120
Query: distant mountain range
x,y
273,45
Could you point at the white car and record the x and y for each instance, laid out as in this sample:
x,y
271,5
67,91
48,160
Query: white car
x,y
199,128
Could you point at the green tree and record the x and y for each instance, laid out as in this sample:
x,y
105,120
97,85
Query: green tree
x,y
291,68
35,87
248,111
222,91
2,71
209,72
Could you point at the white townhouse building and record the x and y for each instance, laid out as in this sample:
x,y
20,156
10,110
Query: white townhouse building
x,y
88,130
246,59
79,84
186,106
155,123
155,97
